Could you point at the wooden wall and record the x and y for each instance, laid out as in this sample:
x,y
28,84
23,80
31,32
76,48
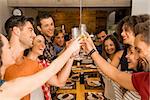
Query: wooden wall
x,y
93,19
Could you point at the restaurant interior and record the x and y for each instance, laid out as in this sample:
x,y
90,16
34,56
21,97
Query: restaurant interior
x,y
85,81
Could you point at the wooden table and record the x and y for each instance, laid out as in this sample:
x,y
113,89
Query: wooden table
x,y
79,91
80,88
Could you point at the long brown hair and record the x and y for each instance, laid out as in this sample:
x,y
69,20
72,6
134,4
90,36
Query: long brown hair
x,y
116,43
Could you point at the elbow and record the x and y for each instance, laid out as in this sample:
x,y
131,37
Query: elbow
x,y
60,85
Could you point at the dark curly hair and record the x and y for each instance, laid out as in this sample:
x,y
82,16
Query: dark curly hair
x,y
130,22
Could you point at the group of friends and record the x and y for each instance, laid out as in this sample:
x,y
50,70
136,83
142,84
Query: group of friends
x,y
23,72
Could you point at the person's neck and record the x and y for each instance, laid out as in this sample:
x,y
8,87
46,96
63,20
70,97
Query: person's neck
x,y
32,56
58,45
16,47
48,38
132,41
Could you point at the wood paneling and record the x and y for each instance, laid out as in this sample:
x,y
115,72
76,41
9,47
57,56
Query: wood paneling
x,y
93,19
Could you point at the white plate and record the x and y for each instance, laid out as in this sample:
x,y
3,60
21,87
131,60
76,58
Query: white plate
x,y
92,98
99,95
69,83
90,66
93,83
73,77
69,97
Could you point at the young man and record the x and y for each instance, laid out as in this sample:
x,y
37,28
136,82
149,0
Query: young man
x,y
101,36
45,25
128,81
17,88
20,33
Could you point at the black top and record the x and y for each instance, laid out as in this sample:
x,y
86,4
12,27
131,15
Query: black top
x,y
123,61
99,49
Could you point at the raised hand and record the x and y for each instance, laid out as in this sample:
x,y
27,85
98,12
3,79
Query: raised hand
x,y
87,46
90,40
75,45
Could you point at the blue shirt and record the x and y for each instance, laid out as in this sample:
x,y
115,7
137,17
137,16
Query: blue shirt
x,y
1,82
58,49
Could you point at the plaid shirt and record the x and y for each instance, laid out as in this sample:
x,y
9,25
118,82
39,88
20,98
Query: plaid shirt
x,y
49,52
45,87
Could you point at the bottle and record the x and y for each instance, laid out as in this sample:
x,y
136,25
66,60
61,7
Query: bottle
x,y
75,32
82,78
78,63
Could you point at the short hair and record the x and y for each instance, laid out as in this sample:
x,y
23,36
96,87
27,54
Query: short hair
x,y
16,21
144,30
101,31
41,16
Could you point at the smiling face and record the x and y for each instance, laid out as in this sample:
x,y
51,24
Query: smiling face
x,y
132,58
38,45
109,46
141,47
47,27
143,50
27,35
59,39
127,35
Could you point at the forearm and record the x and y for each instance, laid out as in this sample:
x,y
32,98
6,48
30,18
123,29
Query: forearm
x,y
22,86
60,79
124,79
65,72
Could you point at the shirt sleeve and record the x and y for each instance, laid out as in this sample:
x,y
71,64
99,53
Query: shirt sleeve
x,y
141,83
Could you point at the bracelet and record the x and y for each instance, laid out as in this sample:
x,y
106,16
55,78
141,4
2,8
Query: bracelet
x,y
91,52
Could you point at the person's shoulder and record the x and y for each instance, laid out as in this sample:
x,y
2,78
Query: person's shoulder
x,y
141,74
10,70
119,53
10,67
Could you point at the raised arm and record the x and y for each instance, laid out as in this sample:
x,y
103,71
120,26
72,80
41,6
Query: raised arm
x,y
116,59
62,76
20,87
124,79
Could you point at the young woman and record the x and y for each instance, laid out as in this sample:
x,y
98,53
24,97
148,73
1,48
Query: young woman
x,y
137,81
109,48
58,80
17,88
127,35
